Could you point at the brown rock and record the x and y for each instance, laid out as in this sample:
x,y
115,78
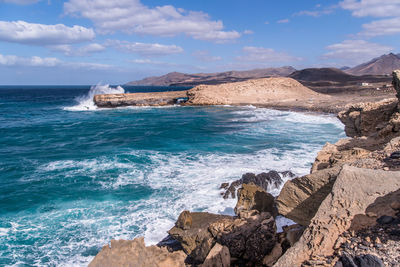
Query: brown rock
x,y
300,198
253,197
184,220
355,192
134,253
198,240
322,161
271,258
366,119
293,233
395,205
218,257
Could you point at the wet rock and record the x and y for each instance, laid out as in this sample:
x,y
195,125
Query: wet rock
x,y
135,253
253,197
293,233
224,186
219,256
266,180
170,243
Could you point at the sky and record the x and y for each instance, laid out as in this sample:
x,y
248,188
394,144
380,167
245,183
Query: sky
x,y
117,41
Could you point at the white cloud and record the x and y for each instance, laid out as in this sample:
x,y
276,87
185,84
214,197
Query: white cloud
x,y
317,12
35,61
351,52
205,56
143,49
69,50
265,55
20,2
131,16
283,21
374,8
381,27
248,32
41,34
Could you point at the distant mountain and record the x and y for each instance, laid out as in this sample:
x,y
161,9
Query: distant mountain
x,y
182,79
382,65
321,74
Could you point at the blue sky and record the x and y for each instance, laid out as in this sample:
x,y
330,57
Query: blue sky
x,y
116,41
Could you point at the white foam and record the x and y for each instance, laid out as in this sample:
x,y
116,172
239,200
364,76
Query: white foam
x,y
86,103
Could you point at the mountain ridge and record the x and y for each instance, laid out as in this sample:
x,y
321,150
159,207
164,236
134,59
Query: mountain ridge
x,y
383,65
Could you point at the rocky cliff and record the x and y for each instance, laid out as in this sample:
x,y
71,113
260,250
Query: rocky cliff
x,y
347,210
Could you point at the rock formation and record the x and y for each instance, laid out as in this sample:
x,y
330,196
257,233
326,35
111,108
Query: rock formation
x,y
134,253
253,197
352,204
139,99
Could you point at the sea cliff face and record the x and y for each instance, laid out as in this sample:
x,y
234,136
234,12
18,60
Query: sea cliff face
x,y
347,211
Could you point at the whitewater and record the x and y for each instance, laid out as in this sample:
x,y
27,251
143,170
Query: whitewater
x,y
74,176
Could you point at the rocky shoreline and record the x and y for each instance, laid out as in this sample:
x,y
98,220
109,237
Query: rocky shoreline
x,y
347,210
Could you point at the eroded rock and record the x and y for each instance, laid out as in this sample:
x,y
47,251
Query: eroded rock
x,y
301,197
253,197
134,253
355,193
219,256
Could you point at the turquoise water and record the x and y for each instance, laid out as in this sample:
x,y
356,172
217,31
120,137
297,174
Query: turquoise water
x,y
73,177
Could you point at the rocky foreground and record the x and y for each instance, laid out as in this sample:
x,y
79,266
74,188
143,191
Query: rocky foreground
x,y
347,210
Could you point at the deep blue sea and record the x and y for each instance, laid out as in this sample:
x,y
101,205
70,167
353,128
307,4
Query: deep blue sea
x,y
73,177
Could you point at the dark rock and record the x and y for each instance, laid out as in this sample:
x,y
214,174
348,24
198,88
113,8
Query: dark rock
x,y
385,219
368,261
395,155
253,240
347,261
170,243
265,180
224,186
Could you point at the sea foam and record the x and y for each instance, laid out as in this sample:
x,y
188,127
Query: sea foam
x,y
85,102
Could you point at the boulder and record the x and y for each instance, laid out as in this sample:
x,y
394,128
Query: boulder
x,y
300,198
250,240
197,240
355,194
134,253
266,180
253,197
218,257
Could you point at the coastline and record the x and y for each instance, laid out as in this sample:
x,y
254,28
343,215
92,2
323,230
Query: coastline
x,y
373,129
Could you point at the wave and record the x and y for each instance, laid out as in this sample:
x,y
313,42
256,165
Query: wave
x,y
85,102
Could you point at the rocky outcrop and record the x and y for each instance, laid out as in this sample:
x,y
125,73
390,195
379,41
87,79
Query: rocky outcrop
x,y
396,82
266,180
195,237
134,253
370,119
300,198
139,99
253,197
356,200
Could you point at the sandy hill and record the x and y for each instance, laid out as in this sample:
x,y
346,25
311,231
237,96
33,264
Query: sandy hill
x,y
383,65
182,79
260,91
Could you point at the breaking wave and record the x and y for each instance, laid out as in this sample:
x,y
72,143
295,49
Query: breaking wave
x,y
85,102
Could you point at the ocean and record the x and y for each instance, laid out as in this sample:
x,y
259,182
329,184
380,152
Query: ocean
x,y
73,177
